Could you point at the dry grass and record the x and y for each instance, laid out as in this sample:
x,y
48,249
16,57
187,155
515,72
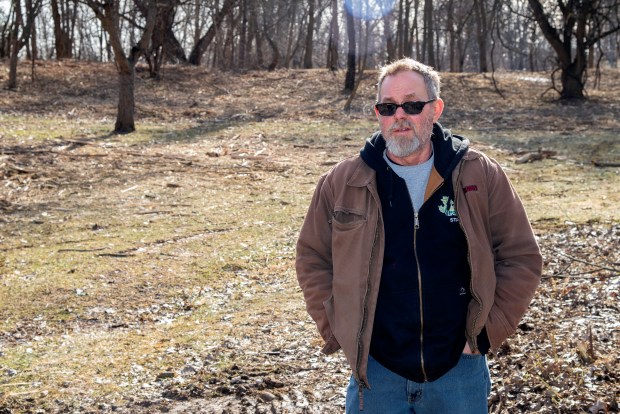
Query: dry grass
x,y
127,260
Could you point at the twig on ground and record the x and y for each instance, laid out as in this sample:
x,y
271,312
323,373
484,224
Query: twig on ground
x,y
80,250
604,164
576,259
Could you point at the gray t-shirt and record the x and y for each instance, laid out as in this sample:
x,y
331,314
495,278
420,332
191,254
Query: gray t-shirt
x,y
416,177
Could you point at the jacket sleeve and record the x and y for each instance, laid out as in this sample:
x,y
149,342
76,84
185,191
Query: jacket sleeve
x,y
314,261
517,257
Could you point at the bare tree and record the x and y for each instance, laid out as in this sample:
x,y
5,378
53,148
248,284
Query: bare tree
x,y
269,34
256,33
452,34
107,11
349,80
513,29
404,29
583,24
195,57
242,34
334,38
64,13
309,35
414,32
271,28
5,35
20,34
388,32
429,43
164,45
482,33
292,20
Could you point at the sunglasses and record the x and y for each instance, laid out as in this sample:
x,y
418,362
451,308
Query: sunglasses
x,y
410,108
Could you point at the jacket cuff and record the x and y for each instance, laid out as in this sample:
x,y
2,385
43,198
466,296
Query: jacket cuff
x,y
330,346
483,342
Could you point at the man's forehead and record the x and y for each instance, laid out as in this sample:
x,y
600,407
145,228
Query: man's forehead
x,y
403,87
407,97
410,80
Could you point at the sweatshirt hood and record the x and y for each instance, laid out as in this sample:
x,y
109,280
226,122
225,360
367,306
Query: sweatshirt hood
x,y
448,150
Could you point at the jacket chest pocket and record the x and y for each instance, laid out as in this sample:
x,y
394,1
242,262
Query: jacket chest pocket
x,y
344,219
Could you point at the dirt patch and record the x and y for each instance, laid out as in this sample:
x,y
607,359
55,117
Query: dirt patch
x,y
153,272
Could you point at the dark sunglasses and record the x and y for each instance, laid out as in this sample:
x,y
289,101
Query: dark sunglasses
x,y
411,108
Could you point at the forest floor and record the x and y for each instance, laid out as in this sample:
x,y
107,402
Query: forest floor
x,y
154,272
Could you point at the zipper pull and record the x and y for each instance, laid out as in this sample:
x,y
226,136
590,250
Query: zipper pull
x,y
416,220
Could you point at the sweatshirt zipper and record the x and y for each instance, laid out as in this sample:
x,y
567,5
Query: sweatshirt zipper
x,y
416,220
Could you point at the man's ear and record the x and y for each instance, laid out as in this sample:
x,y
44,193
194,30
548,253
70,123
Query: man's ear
x,y
376,111
438,109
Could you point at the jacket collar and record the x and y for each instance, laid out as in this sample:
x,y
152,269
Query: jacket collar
x,y
362,176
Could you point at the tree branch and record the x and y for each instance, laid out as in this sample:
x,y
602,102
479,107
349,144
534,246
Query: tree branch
x,y
550,32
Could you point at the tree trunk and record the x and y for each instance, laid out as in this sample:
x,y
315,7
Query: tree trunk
x,y
256,34
164,45
389,37
229,43
429,41
275,57
62,40
243,35
127,73
290,38
196,23
32,35
12,82
309,35
126,105
481,33
574,24
15,45
172,47
18,40
531,51
572,83
332,48
451,36
108,14
407,38
195,57
296,45
349,80
415,31
401,33
34,49
5,39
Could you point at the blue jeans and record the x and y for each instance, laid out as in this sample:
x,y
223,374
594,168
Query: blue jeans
x,y
462,390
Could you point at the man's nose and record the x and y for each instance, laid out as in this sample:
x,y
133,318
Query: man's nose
x,y
400,113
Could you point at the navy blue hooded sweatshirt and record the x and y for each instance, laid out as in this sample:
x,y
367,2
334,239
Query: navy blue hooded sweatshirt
x,y
419,325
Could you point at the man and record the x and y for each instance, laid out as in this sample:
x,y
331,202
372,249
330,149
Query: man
x,y
416,257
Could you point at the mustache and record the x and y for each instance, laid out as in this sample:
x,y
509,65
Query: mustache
x,y
401,124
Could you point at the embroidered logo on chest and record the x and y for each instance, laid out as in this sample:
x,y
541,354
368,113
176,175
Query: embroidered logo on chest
x,y
447,208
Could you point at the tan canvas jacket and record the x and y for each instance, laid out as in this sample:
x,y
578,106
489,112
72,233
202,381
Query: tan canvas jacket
x,y
340,254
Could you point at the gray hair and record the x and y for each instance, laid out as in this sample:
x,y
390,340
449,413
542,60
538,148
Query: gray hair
x,y
431,77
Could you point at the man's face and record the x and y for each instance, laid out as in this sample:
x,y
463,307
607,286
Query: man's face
x,y
406,134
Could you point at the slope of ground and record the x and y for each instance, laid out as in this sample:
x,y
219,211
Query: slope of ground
x,y
153,272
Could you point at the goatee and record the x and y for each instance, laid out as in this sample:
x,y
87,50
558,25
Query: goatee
x,y
405,146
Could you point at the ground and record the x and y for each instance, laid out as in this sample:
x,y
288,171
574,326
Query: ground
x,y
154,272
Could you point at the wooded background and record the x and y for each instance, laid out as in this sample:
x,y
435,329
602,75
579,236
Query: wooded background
x,y
565,36
155,271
